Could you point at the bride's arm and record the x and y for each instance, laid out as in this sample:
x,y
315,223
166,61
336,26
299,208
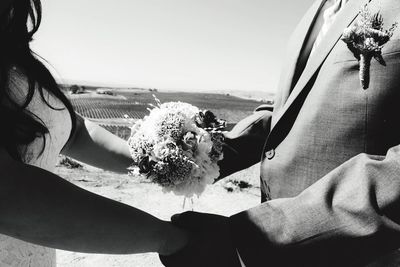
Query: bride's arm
x,y
40,207
94,145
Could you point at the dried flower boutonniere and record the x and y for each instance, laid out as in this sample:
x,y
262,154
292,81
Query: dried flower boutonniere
x,y
365,39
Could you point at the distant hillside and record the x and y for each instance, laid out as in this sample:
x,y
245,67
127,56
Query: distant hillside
x,y
115,109
261,96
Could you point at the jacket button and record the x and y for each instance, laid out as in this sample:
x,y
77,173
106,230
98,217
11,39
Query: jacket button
x,y
270,154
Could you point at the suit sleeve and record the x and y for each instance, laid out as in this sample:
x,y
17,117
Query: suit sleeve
x,y
347,218
244,143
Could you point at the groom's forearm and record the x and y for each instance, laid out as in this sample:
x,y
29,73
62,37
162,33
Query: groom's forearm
x,y
95,146
347,218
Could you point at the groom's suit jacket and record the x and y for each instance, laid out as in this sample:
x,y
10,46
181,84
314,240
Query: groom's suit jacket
x,y
330,156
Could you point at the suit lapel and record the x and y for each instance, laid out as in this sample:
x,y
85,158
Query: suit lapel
x,y
296,44
343,20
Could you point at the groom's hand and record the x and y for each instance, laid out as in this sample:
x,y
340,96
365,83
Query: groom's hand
x,y
210,244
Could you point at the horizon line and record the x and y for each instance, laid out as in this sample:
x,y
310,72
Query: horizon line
x,y
126,86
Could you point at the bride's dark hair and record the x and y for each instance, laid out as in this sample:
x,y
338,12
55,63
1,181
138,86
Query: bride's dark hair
x,y
19,127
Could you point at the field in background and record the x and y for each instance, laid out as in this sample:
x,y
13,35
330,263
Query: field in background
x,y
108,107
222,198
233,194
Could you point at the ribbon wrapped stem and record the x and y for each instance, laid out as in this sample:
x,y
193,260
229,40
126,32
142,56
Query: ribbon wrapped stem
x,y
365,65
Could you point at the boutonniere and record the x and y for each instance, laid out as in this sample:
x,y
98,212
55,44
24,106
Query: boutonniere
x,y
365,39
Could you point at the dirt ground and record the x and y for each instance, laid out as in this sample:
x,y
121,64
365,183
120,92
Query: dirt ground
x,y
151,199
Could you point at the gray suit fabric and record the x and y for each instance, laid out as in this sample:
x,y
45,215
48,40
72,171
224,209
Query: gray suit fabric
x,y
330,157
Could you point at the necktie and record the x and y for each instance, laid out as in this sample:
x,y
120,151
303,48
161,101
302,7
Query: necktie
x,y
329,17
322,23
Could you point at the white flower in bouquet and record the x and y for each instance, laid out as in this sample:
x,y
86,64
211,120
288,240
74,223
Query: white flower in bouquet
x,y
178,147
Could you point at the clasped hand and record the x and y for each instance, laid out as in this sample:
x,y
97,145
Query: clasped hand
x,y
210,242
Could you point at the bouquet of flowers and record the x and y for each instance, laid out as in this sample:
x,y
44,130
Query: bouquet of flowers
x,y
178,147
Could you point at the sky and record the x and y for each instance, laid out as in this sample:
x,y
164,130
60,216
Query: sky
x,y
168,44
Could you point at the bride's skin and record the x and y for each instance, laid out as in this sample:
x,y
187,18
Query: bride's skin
x,y
42,208
94,145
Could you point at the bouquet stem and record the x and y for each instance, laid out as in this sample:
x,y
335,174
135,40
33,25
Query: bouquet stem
x,y
190,205
365,64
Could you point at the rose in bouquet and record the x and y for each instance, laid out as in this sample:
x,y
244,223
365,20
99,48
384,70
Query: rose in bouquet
x,y
178,147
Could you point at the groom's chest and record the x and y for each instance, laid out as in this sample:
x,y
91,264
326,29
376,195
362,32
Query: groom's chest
x,y
334,118
336,52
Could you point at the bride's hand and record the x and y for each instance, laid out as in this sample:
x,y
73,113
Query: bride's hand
x,y
173,239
